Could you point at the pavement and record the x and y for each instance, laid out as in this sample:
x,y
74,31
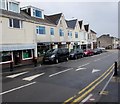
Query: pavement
x,y
111,93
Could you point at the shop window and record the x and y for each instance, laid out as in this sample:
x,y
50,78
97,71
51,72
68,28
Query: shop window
x,y
5,57
27,54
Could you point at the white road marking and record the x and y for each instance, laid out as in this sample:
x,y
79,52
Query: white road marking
x,y
16,75
60,72
80,69
97,60
32,77
95,70
17,88
84,65
87,98
106,84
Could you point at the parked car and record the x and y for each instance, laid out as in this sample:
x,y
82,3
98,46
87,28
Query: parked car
x,y
97,51
56,55
77,53
102,48
88,52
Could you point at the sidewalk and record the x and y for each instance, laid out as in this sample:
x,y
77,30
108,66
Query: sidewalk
x,y
112,91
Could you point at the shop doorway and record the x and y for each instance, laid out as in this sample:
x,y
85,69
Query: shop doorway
x,y
17,57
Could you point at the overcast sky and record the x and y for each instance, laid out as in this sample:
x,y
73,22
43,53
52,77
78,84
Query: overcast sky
x,y
102,16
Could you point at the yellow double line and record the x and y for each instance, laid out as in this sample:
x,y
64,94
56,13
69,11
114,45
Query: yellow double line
x,y
97,81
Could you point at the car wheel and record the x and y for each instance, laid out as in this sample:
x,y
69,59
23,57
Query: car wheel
x,y
56,61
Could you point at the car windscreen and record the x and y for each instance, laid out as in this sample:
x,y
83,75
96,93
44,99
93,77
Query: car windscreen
x,y
51,51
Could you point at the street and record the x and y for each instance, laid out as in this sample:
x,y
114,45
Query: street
x,y
69,81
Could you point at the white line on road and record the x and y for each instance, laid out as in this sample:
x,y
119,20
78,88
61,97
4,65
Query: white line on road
x,y
17,88
107,83
84,65
87,98
32,77
97,60
16,75
60,72
80,69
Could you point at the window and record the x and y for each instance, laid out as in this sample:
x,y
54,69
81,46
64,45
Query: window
x,y
76,34
40,30
61,33
52,31
70,33
37,13
14,7
27,54
15,23
2,4
5,56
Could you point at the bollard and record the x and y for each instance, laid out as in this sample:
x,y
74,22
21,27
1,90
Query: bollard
x,y
35,62
115,69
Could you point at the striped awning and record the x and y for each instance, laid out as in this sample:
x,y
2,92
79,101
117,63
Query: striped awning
x,y
14,47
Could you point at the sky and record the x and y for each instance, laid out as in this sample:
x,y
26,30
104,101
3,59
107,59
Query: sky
x,y
101,15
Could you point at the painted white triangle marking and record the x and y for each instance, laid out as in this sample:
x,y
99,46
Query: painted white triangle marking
x,y
95,70
80,69
16,75
32,77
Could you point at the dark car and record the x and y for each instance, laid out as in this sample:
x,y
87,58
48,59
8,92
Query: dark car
x,y
77,53
56,55
97,51
88,52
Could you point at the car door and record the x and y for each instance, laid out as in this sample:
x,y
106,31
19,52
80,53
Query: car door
x,y
59,54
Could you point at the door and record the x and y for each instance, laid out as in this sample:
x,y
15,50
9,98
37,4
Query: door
x,y
17,57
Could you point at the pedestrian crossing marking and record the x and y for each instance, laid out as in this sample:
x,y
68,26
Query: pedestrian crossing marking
x,y
32,77
16,75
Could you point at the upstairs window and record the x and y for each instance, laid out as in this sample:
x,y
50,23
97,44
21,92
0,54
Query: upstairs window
x,y
37,13
52,31
61,33
40,30
76,34
2,4
14,7
15,23
70,33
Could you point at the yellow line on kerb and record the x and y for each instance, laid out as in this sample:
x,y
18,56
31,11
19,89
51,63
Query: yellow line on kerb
x,y
92,88
68,100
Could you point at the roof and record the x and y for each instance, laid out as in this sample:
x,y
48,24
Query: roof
x,y
86,27
93,31
71,23
54,18
80,23
24,16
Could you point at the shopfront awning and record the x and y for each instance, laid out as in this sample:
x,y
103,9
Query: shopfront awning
x,y
17,47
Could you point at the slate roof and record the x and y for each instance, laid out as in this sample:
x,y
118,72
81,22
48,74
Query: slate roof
x,y
54,18
93,31
86,27
80,23
23,15
71,23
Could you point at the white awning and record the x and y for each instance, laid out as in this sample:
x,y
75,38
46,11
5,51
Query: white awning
x,y
17,47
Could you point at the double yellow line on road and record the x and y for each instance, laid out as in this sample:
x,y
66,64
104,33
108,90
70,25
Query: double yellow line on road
x,y
91,87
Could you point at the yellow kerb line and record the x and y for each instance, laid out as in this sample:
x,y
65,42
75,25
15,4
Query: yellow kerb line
x,y
89,84
92,88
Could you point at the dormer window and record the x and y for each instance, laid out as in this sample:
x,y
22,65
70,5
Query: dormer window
x,y
3,4
37,13
14,7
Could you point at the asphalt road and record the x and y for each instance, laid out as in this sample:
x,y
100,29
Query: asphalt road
x,y
60,82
